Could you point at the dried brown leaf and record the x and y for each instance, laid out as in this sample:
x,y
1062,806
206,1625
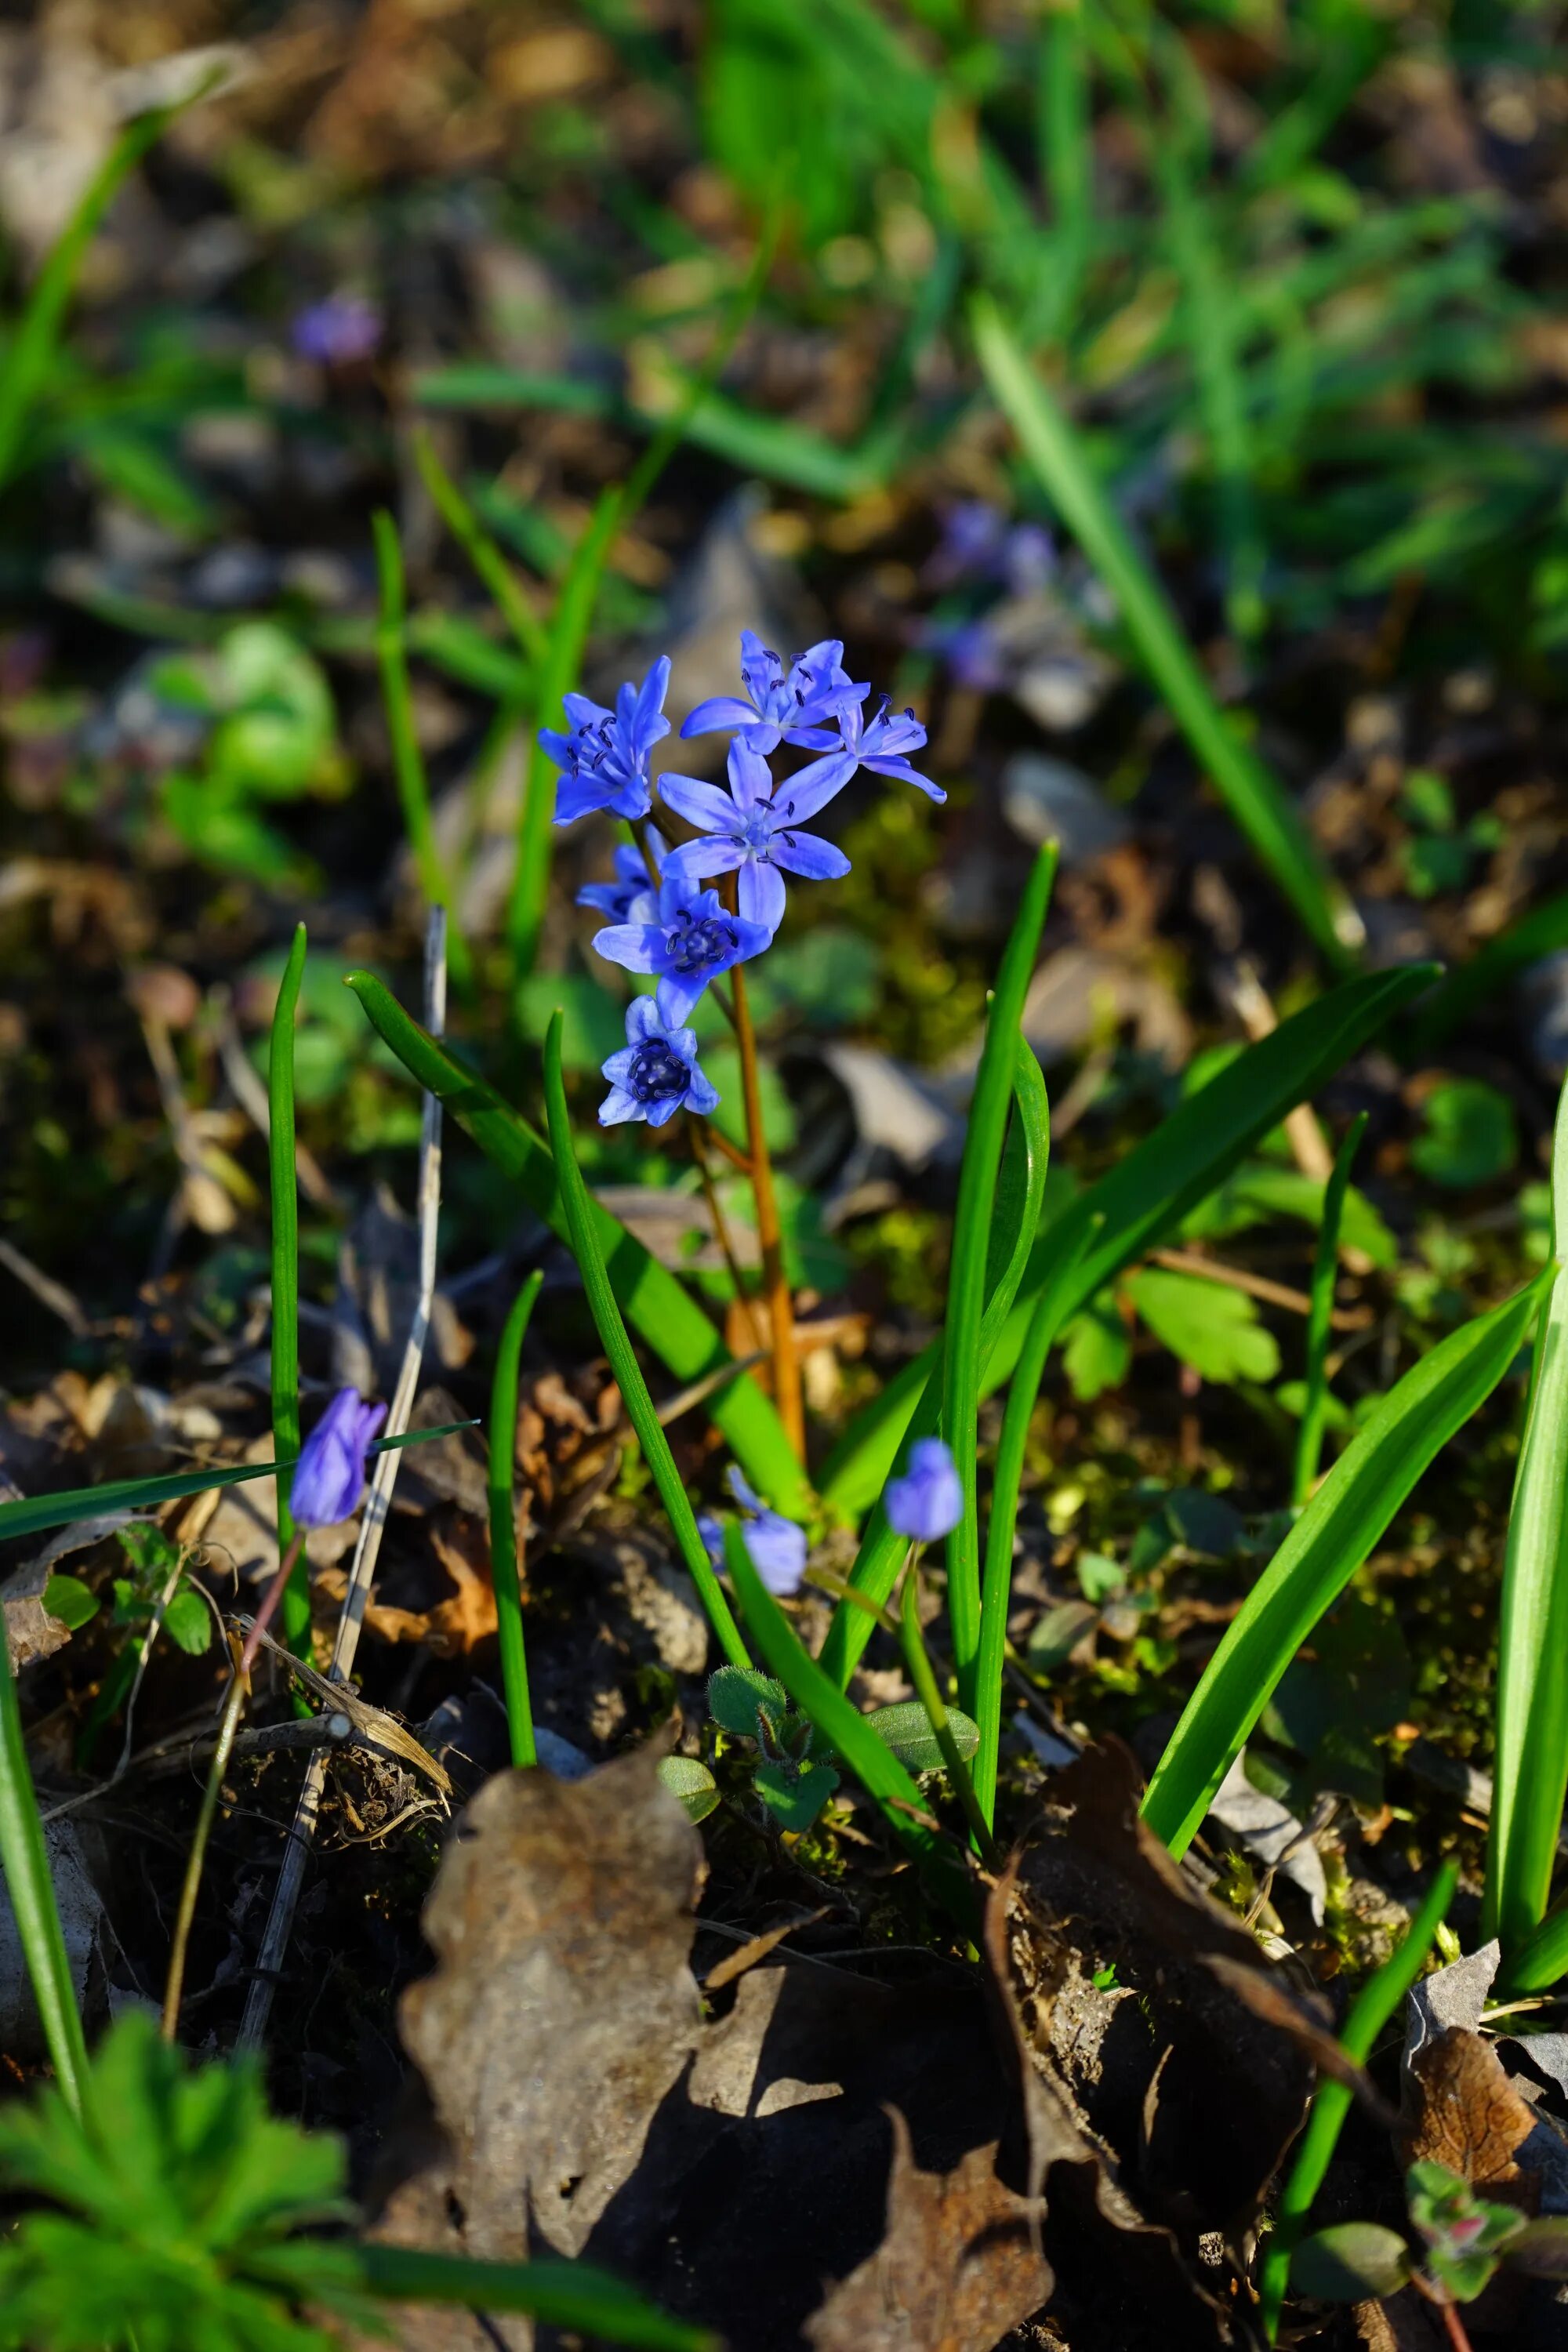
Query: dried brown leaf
x,y
1463,2111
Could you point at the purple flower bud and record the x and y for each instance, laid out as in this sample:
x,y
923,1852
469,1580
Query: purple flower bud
x,y
329,1476
928,1500
777,1545
334,333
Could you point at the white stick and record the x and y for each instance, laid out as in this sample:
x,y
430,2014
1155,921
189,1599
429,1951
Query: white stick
x,y
301,1837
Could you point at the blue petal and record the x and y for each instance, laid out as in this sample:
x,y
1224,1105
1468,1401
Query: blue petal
x,y
718,712
631,945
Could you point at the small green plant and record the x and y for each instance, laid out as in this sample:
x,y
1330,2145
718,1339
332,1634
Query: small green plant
x,y
790,1777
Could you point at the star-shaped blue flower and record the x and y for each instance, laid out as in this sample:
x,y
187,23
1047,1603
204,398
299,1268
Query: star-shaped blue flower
x,y
687,937
654,1074
779,703
754,832
880,743
603,759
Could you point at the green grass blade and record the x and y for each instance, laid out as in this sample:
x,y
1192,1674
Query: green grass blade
x,y
36,1513
569,628
651,1298
576,2297
1379,2001
919,1389
1261,807
1481,981
1530,1765
31,354
1067,162
1147,1193
24,1862
1049,1314
1325,1272
1328,1543
1542,1960
583,1232
849,1735
489,562
970,1247
285,1351
408,761
503,1524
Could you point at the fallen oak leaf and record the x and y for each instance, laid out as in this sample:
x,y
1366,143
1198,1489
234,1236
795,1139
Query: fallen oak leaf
x,y
1463,2112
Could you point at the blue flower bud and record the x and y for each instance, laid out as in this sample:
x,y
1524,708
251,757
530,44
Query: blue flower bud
x,y
329,1476
928,1500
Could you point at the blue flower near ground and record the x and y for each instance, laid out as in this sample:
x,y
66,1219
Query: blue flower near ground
x,y
777,1545
654,1074
750,830
687,937
336,331
778,702
329,1476
623,899
605,757
927,1501
881,743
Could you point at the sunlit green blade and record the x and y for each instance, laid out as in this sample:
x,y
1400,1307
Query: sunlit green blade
x,y
1530,1765
25,1865
503,1524
1328,1543
583,1232
285,1200
1379,2001
971,1242
916,1392
574,2297
1258,803
674,1327
848,1732
1325,1271
1148,1192
35,1513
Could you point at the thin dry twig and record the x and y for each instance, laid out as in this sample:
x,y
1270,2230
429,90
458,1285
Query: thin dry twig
x,y
301,1837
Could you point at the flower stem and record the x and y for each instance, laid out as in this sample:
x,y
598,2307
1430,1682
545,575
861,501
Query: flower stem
x,y
234,1707
721,1230
776,1281
923,1678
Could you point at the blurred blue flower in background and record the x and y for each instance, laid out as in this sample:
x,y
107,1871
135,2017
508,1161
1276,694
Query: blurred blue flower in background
x,y
927,1501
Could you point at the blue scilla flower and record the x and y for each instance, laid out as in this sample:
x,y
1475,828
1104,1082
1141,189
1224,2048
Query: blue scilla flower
x,y
880,743
777,701
654,1074
687,937
329,1476
337,332
624,899
752,830
777,1545
605,757
928,1500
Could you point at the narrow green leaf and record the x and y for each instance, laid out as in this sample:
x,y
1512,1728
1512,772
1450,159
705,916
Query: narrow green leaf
x,y
1262,808
25,1865
651,1298
1379,2001
503,1524
285,1200
583,1232
574,2296
479,547
32,350
35,1513
1325,1272
1146,1193
915,1394
1045,1323
847,1732
971,1243
1530,1768
1328,1543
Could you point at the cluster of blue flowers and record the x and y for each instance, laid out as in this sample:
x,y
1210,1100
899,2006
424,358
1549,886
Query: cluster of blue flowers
x,y
665,919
